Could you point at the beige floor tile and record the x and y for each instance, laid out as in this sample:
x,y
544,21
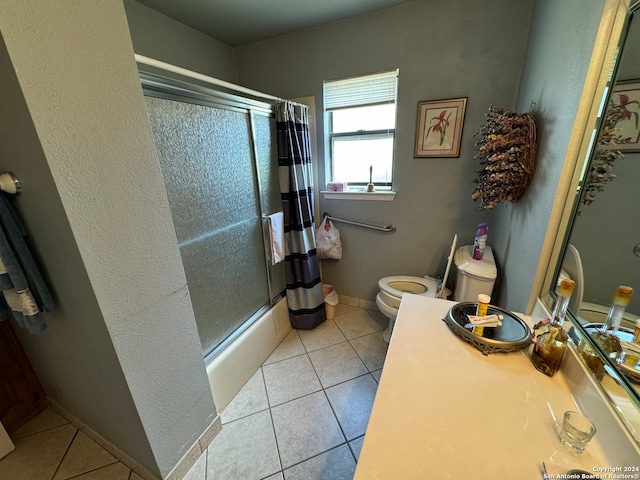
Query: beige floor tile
x,y
336,464
305,427
291,346
379,317
309,436
342,308
115,471
324,335
199,469
244,449
289,379
372,349
352,402
277,476
37,456
46,420
356,446
84,455
357,323
337,363
251,399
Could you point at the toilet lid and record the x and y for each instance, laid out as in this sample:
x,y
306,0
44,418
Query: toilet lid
x,y
483,269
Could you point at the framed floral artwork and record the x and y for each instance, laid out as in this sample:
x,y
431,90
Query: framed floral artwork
x,y
439,128
621,125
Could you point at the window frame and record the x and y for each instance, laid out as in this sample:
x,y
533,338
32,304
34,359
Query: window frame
x,y
367,135
331,137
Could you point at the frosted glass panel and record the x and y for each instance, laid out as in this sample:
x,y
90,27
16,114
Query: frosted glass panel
x,y
206,159
267,158
226,282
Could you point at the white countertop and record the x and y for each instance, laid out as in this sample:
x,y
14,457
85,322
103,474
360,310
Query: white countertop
x,y
444,410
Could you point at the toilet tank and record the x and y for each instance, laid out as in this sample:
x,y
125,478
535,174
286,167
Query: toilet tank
x,y
474,276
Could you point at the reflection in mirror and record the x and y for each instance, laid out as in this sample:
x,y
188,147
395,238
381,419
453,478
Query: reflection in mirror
x,y
603,245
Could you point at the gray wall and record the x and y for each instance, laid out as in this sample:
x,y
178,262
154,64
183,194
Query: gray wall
x,y
157,36
444,50
560,48
122,352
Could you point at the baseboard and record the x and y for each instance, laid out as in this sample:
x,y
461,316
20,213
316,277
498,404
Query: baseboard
x,y
357,302
178,472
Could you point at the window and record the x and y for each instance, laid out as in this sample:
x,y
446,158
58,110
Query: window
x,y
360,115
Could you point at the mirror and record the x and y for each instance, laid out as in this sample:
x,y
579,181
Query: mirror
x,y
602,245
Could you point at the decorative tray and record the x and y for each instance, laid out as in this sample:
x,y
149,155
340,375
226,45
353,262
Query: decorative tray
x,y
625,334
513,335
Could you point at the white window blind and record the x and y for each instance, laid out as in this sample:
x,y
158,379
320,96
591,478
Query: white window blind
x,y
360,91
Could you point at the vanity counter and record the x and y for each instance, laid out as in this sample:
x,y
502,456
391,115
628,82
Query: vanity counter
x,y
444,410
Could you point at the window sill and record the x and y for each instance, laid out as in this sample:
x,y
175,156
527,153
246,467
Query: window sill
x,y
380,196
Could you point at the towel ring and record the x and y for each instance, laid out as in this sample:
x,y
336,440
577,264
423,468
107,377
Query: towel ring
x,y
9,183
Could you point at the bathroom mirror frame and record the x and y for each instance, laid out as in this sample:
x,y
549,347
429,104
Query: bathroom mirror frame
x,y
611,54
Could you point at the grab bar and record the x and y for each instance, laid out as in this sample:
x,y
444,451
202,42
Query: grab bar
x,y
384,228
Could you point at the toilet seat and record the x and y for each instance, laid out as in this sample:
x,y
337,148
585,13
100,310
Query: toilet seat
x,y
393,288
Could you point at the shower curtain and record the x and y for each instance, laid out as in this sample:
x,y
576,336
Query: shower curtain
x,y
302,267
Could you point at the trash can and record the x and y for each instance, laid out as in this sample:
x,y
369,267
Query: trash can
x,y
330,300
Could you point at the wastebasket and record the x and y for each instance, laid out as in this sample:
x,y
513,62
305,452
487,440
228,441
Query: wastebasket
x,y
330,300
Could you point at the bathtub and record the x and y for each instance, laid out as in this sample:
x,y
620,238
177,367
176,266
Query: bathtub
x,y
231,368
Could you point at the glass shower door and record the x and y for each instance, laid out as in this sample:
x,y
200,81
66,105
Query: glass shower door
x,y
209,166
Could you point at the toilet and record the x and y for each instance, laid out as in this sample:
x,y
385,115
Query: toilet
x,y
474,277
393,288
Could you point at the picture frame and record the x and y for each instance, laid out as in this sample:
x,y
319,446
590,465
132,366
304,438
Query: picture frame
x,y
439,127
623,116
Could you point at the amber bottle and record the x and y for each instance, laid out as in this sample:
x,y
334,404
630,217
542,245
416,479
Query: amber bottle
x,y
550,336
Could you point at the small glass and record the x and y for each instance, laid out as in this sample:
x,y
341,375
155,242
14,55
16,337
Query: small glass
x,y
576,431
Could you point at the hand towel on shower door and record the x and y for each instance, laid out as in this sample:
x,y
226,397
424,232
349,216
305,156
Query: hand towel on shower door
x,y
276,237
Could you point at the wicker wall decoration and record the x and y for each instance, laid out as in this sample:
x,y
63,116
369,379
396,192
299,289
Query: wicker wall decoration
x,y
507,151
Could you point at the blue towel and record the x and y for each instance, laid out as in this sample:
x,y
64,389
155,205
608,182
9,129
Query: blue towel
x,y
24,291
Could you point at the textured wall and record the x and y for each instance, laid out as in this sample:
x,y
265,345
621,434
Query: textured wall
x,y
157,36
122,354
444,49
560,48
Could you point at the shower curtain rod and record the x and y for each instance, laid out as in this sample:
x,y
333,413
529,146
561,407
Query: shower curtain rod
x,y
141,59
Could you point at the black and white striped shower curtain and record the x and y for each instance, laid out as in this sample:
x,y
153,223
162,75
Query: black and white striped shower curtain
x,y
302,267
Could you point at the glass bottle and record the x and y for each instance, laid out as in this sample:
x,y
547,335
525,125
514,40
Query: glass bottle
x,y
550,337
631,359
606,337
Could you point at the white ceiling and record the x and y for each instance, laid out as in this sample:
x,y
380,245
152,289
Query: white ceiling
x,y
239,22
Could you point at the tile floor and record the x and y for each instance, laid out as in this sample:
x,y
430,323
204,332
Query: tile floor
x,y
302,416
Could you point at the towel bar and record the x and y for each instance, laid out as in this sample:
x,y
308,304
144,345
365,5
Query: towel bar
x,y
384,228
